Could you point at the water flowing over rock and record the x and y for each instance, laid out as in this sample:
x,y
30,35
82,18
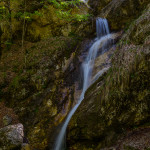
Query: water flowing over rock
x,y
87,69
63,83
118,102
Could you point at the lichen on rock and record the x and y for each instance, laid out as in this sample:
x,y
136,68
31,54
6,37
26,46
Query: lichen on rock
x,y
11,137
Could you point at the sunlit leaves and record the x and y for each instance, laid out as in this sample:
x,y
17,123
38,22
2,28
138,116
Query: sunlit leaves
x,y
64,10
27,15
82,17
64,4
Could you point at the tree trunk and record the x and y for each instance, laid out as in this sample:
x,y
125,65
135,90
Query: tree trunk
x,y
23,32
24,23
1,32
10,21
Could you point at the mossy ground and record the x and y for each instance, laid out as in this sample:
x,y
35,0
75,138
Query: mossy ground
x,y
31,83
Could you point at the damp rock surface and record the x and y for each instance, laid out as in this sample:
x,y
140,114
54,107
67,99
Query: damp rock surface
x,y
40,84
119,100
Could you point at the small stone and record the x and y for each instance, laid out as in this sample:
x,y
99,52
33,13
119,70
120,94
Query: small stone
x,y
53,111
49,103
11,136
7,120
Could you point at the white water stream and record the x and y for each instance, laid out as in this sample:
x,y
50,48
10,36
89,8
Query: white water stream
x,y
103,34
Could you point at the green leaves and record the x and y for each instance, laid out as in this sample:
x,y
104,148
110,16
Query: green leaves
x,y
55,3
2,8
66,15
64,4
64,10
37,13
27,15
82,17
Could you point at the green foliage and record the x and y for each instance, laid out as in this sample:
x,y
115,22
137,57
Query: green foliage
x,y
65,4
64,10
66,15
2,9
82,17
27,15
24,12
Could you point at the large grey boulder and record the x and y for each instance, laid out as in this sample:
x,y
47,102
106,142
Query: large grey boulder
x,y
11,137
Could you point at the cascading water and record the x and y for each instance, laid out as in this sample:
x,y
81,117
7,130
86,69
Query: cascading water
x,y
87,68
102,27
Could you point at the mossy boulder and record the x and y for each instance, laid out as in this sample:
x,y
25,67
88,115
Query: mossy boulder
x,y
117,101
11,137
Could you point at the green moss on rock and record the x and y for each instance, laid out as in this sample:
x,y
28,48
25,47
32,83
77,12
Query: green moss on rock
x,y
117,101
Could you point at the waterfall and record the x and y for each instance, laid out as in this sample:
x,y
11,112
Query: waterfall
x,y
102,27
87,68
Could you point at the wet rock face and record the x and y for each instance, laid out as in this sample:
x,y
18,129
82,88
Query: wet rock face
x,y
138,139
103,60
139,30
119,100
119,13
98,5
124,12
11,137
